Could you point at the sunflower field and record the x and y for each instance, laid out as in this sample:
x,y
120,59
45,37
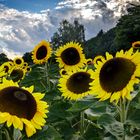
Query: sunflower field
x,y
64,96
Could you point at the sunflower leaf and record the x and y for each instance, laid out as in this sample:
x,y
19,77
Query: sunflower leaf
x,y
111,125
81,105
48,133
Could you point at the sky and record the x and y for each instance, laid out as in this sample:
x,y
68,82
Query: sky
x,y
30,5
24,23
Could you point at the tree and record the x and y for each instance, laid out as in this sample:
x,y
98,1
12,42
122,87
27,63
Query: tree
x,y
68,32
101,44
128,29
3,58
28,58
120,37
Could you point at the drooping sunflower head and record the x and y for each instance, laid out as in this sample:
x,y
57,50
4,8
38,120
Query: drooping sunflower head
x,y
41,52
116,76
136,44
21,107
17,74
76,85
18,61
70,56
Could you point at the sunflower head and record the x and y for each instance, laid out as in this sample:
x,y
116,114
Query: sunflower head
x,y
89,61
17,74
41,52
116,76
136,45
25,64
76,85
70,56
97,59
28,69
63,72
19,107
18,61
5,68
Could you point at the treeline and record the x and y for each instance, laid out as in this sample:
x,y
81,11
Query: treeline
x,y
120,37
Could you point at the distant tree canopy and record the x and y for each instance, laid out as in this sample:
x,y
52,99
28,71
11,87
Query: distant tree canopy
x,y
28,58
122,36
68,32
100,44
128,29
3,58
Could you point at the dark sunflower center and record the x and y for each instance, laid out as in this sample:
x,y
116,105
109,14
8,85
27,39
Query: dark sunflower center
x,y
16,75
41,53
28,69
18,61
116,73
79,82
6,68
70,56
17,101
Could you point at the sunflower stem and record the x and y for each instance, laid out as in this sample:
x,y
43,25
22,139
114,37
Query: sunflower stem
x,y
9,133
123,114
7,136
82,123
47,75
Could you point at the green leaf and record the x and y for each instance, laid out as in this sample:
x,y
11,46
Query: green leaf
x,y
99,108
48,133
58,111
111,125
65,129
134,118
81,105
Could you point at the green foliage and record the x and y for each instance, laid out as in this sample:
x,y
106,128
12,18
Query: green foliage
x,y
128,29
68,32
48,133
3,58
100,44
28,58
120,37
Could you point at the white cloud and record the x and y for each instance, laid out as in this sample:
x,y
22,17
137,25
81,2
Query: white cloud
x,y
21,31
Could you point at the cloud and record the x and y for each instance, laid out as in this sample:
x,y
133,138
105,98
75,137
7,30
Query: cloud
x,y
20,31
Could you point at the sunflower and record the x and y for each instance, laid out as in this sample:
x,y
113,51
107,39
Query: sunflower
x,y
89,61
25,64
136,44
63,72
97,59
18,61
75,84
21,107
41,52
5,68
17,74
70,56
115,76
27,69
